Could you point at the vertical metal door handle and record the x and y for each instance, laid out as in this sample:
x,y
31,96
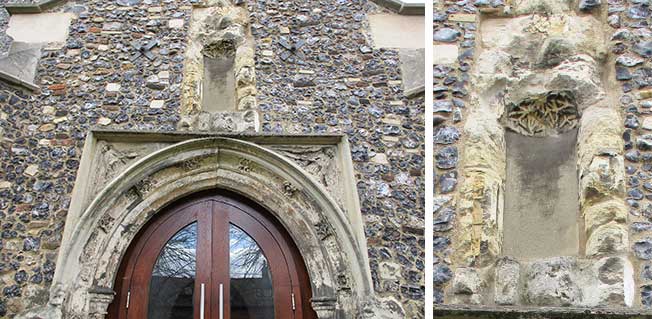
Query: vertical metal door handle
x,y
221,301
202,301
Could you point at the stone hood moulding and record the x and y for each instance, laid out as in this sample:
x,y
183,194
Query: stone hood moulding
x,y
160,168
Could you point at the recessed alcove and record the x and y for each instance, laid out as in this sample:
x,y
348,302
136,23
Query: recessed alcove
x,y
218,85
541,212
541,196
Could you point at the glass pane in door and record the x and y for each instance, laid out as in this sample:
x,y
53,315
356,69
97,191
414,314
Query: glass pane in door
x,y
251,280
173,278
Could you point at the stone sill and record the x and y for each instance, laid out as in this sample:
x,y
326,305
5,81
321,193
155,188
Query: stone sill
x,y
32,7
11,79
514,312
403,8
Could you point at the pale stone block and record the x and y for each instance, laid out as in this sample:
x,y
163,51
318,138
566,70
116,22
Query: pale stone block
x,y
48,109
113,87
647,123
550,282
380,158
175,23
462,17
5,184
39,28
31,170
397,31
506,287
104,121
467,286
157,104
603,213
607,239
445,54
164,75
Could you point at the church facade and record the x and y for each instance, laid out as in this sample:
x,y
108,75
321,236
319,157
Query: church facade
x,y
211,159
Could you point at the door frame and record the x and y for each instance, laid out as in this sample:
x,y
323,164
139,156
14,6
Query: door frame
x,y
239,210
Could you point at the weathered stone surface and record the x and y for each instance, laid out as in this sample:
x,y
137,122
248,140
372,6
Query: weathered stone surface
x,y
507,281
603,213
607,239
467,281
541,6
412,71
550,283
579,75
467,286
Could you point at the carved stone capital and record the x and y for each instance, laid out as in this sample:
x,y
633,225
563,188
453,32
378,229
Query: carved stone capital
x,y
324,307
99,299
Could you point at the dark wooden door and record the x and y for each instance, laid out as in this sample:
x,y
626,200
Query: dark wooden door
x,y
212,256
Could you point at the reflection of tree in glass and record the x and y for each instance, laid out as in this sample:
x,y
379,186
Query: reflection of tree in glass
x,y
178,258
171,288
247,259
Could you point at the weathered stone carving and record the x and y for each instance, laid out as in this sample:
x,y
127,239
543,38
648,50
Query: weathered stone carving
x,y
543,114
324,307
110,162
231,122
319,162
89,256
323,229
191,164
105,223
99,300
245,165
289,189
144,186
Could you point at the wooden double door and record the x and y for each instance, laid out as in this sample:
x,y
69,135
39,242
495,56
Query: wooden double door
x,y
212,256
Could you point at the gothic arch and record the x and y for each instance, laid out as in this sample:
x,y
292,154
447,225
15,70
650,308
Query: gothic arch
x,y
94,244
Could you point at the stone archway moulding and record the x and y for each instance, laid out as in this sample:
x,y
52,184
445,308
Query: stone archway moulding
x,y
94,242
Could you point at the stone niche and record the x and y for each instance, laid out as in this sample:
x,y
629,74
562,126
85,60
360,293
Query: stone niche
x,y
219,84
306,182
541,219
542,214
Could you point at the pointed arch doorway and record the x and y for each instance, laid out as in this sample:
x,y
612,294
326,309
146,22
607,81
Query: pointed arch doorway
x,y
212,256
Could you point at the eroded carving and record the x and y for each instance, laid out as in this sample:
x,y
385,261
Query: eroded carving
x,y
320,162
289,189
145,186
105,223
543,114
324,229
244,165
232,122
99,300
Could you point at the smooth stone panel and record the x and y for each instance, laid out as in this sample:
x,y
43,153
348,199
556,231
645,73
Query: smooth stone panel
x,y
541,196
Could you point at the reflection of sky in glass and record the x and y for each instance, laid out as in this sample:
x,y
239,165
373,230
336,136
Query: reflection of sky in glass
x,y
178,258
247,259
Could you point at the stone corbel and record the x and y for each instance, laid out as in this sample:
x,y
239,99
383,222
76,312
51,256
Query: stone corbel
x,y
324,307
99,299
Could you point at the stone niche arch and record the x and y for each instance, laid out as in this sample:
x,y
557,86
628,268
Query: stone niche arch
x,y
94,243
